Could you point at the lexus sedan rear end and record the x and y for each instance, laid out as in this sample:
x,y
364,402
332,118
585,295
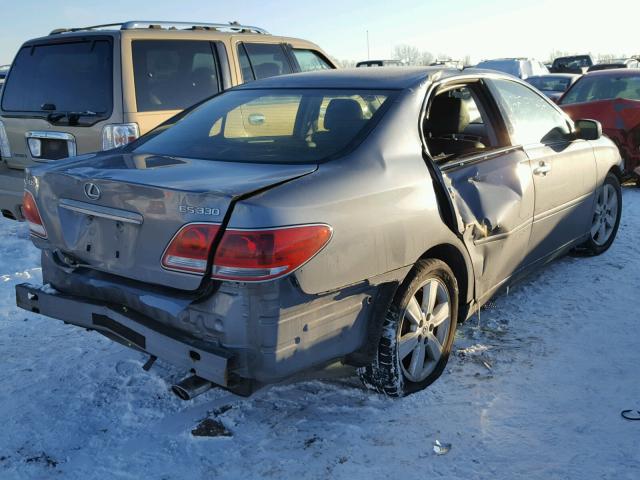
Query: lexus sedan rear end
x,y
290,222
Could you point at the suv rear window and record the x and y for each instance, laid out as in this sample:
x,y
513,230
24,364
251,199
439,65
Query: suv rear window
x,y
262,60
70,77
269,126
173,74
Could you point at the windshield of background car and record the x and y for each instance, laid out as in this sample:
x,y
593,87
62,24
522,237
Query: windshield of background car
x,y
550,84
270,126
69,77
506,66
603,87
572,62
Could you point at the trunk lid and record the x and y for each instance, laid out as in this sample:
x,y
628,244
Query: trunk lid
x,y
118,212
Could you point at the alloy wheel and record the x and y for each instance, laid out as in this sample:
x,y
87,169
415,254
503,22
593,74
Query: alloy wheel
x,y
424,329
604,215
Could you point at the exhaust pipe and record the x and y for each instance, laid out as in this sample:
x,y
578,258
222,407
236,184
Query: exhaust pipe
x,y
191,387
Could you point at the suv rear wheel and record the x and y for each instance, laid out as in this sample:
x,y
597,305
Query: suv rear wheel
x,y
418,332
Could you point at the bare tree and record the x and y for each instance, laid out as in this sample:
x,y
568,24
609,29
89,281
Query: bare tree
x,y
407,54
346,63
425,58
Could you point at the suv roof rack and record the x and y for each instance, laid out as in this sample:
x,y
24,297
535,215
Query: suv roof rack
x,y
138,24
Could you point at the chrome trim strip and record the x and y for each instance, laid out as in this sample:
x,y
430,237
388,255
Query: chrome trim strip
x,y
101,211
52,135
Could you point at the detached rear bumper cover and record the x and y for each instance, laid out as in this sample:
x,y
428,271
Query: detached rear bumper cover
x,y
132,329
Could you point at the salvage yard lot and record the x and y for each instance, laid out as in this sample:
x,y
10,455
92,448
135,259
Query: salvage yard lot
x,y
534,389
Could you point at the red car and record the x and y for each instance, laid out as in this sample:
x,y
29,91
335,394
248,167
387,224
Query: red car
x,y
613,98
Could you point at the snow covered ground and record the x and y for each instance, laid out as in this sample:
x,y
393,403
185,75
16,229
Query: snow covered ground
x,y
534,390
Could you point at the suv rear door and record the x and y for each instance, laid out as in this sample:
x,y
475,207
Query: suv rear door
x,y
58,94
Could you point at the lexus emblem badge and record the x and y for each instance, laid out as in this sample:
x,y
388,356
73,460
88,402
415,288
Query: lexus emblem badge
x,y
92,191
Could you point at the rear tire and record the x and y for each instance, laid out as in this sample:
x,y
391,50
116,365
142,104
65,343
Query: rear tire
x,y
417,333
606,217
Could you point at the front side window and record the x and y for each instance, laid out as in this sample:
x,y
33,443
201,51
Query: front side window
x,y
270,126
173,74
530,118
607,87
62,77
310,60
262,60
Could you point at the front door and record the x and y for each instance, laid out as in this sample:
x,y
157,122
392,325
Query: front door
x,y
563,168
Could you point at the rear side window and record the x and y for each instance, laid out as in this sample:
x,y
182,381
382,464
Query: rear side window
x,y
67,77
310,60
173,74
262,60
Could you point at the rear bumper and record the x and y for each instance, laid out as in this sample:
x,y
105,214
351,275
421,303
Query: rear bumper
x,y
131,329
11,191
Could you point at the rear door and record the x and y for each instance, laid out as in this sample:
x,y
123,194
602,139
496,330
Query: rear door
x,y
165,76
563,168
490,186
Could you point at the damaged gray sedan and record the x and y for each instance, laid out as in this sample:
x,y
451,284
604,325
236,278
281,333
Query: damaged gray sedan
x,y
298,220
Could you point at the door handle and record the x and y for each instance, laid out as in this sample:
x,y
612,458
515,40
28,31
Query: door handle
x,y
542,169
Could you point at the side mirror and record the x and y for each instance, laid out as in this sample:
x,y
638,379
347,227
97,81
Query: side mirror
x,y
588,129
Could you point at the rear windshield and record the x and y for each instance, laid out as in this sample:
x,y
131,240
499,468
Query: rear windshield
x,y
173,74
67,77
573,62
603,87
269,126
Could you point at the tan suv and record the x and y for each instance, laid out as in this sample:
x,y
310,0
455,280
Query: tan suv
x,y
81,90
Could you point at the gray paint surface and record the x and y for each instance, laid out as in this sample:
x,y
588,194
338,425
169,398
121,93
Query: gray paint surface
x,y
389,204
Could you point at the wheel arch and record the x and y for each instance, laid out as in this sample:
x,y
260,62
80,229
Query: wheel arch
x,y
459,263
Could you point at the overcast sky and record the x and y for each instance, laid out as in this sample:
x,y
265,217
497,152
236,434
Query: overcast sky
x,y
481,29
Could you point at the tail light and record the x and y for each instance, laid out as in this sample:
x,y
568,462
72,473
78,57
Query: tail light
x,y
255,255
119,134
189,249
32,215
246,255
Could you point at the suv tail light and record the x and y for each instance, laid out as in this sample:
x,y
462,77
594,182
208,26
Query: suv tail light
x,y
119,134
245,255
5,148
32,215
